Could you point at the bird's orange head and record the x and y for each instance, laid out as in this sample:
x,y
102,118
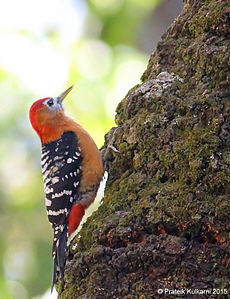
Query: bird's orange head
x,y
46,115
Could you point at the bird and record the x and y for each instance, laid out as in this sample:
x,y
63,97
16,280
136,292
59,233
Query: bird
x,y
72,170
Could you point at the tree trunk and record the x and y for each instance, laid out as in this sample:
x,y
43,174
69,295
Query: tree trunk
x,y
164,222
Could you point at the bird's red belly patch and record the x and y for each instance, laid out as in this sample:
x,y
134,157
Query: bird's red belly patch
x,y
75,216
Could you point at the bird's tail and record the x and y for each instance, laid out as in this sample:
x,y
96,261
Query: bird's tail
x,y
59,253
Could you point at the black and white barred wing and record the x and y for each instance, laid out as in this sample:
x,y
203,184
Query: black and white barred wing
x,y
61,164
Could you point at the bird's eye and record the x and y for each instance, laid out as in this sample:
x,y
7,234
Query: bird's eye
x,y
50,102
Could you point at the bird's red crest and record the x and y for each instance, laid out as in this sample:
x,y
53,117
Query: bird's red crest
x,y
36,106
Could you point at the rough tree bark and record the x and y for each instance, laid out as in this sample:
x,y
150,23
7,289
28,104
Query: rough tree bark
x,y
164,222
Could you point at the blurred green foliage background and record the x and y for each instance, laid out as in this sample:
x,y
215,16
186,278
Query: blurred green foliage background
x,y
100,46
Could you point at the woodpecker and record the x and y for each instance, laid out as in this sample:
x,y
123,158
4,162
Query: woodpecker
x,y
72,170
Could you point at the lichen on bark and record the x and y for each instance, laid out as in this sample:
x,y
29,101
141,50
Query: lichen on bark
x,y
164,221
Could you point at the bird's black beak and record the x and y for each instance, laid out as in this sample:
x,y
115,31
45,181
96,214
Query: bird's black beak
x,y
64,94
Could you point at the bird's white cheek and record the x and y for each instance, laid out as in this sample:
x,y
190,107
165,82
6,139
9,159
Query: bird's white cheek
x,y
59,107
